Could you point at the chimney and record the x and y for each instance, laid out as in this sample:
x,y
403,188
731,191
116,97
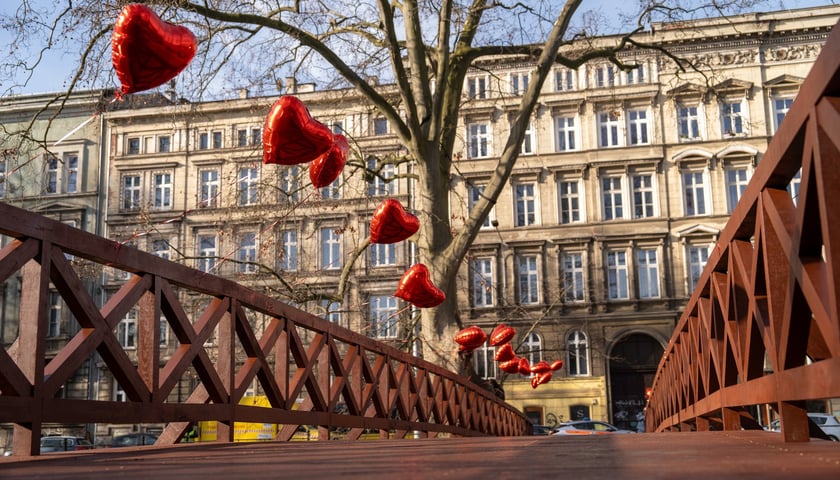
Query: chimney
x,y
291,85
170,92
243,93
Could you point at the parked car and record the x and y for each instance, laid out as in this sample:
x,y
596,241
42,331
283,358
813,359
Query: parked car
x,y
61,443
133,439
827,423
588,427
542,430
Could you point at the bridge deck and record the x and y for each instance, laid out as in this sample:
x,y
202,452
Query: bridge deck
x,y
701,455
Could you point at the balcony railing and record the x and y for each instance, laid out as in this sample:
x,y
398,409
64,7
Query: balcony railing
x,y
763,327
346,380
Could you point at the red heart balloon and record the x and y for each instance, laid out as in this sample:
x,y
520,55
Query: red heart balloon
x,y
291,136
391,223
540,378
470,337
417,288
326,168
540,367
146,51
501,334
505,352
556,365
524,366
510,366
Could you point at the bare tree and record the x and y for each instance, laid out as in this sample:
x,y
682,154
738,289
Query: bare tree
x,y
425,47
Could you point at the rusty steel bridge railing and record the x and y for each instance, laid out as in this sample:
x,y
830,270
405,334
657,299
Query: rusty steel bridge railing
x,y
763,326
383,389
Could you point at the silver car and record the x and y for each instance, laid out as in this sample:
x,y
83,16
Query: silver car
x,y
828,424
588,427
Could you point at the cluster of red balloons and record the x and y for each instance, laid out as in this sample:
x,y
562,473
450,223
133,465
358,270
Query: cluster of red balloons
x,y
147,52
473,337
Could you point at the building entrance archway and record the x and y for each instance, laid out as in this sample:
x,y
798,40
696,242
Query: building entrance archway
x,y
632,363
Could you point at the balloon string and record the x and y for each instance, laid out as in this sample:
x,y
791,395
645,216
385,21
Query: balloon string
x,y
117,96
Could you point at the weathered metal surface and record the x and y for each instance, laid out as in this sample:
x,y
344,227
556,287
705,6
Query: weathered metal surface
x,y
292,352
770,288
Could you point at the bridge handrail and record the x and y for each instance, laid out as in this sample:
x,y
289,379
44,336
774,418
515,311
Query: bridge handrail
x,y
378,387
769,286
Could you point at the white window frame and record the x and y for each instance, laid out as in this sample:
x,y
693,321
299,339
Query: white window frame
x,y
248,182
643,195
132,194
604,75
612,197
696,257
565,80
570,201
383,255
781,106
164,143
696,193
330,245
618,274
163,185
127,330
532,348
474,193
479,140
529,141
519,82
288,260
736,178
206,251
483,282
478,86
647,272
736,121
577,359
690,125
637,75
384,323
247,252
208,188
383,183
289,179
332,311
528,279
54,317
71,168
484,361
566,133
162,248
638,126
574,277
52,175
526,203
609,130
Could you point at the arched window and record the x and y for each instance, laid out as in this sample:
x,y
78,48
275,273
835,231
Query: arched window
x,y
532,348
578,362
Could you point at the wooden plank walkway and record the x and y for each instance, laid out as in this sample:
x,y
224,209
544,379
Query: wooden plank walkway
x,y
691,455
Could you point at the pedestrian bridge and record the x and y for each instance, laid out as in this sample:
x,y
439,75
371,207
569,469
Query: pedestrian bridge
x,y
762,328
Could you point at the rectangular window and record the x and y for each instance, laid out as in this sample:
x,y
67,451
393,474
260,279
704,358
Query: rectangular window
x,y
51,175
643,196
573,286
217,139
529,290
289,248
71,182
332,311
605,76
256,136
164,330
613,198
54,322
648,273
161,249
737,180
688,120
529,141
694,192
477,87
2,177
731,120
134,145
566,137
248,185
330,249
479,140
482,282
206,253
204,141
209,188
164,143
248,253
637,75
127,330
475,192
242,138
617,275
793,186
383,316
383,254
637,126
382,181
570,201
519,83
526,204
780,108
484,361
564,80
131,192
380,126
697,258
333,190
163,191
290,184
608,130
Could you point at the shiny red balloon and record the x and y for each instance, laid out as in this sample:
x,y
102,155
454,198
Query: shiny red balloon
x,y
146,51
501,334
505,352
326,168
416,287
391,223
524,366
540,367
540,378
471,337
291,136
556,365
510,366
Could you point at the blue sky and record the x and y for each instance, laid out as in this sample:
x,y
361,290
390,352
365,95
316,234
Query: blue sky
x,y
53,74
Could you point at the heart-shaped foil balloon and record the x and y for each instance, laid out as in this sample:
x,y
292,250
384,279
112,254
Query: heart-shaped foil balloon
x,y
556,365
470,337
291,136
505,352
501,335
510,366
391,223
540,378
540,367
524,366
146,51
326,168
416,287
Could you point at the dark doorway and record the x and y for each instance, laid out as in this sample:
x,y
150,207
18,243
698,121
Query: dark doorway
x,y
633,363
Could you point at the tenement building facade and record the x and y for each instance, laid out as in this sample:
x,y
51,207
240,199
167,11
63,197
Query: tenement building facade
x,y
625,178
